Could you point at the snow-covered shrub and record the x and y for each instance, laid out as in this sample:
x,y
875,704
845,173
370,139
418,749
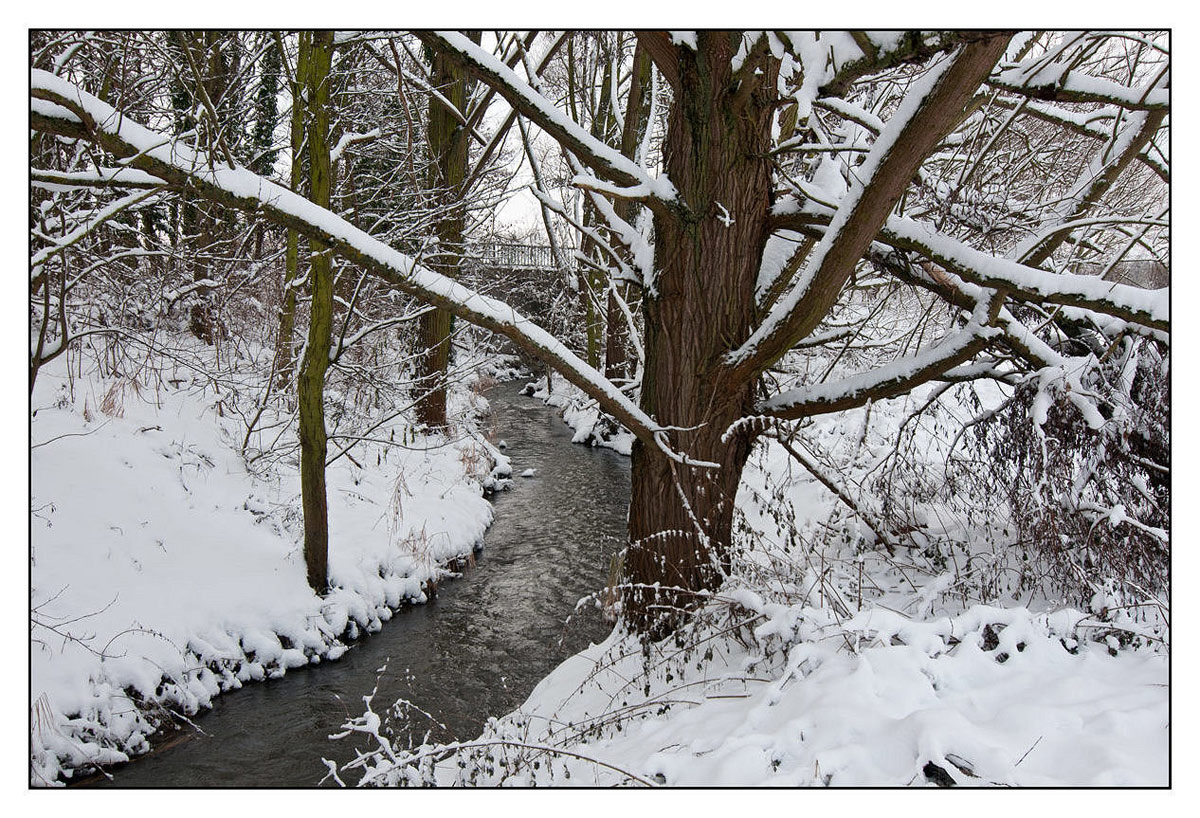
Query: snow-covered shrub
x,y
1088,490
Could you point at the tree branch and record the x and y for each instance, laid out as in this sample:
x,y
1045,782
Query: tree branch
x,y
602,159
238,187
890,166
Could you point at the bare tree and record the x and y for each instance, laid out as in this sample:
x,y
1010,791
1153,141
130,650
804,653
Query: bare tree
x,y
725,305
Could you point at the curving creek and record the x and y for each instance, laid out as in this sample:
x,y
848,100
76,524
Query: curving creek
x,y
474,651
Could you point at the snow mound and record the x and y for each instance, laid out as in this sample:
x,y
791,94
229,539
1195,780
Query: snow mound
x,y
786,695
164,572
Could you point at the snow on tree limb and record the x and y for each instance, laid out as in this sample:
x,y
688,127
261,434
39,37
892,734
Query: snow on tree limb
x,y
1149,308
894,379
1097,296
98,178
94,220
601,158
1073,86
84,116
928,113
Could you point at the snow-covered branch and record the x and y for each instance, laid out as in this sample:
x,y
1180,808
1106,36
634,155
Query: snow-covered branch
x,y
1149,308
601,158
1052,82
237,187
93,221
928,113
98,178
888,381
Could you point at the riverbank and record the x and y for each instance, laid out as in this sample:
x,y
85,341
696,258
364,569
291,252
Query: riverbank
x,y
475,650
165,571
824,662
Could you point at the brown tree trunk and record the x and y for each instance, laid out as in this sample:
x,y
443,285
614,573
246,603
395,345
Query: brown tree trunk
x,y
616,355
311,383
706,261
448,143
212,82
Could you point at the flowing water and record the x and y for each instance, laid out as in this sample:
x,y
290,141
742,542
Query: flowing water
x,y
474,651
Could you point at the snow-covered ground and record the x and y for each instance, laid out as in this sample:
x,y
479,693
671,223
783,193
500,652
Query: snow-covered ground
x,y
805,700
164,570
825,663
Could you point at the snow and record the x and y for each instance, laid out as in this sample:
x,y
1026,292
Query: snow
x,y
860,184
240,182
982,268
659,186
822,714
683,38
897,372
1038,74
178,573
811,675
102,215
592,426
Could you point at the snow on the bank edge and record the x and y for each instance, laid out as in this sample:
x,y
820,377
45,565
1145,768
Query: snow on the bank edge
x,y
179,575
801,695
592,426
990,697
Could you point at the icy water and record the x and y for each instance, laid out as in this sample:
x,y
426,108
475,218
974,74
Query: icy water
x,y
475,651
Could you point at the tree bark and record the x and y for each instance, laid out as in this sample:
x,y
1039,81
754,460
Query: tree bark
x,y
448,146
212,82
311,383
284,356
706,260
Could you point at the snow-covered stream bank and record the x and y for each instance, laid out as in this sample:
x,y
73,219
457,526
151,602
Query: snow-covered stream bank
x,y
820,664
476,650
164,571
796,676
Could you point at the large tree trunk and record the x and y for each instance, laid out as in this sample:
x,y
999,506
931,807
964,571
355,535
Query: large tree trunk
x,y
701,305
311,383
448,143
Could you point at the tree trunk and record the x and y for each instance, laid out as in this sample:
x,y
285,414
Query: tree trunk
x,y
212,82
448,144
616,355
311,383
706,260
284,358
616,341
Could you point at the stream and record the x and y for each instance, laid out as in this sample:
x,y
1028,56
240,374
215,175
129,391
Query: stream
x,y
476,650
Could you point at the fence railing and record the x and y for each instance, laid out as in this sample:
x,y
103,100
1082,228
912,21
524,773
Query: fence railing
x,y
513,256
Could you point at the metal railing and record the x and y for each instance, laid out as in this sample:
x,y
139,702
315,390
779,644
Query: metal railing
x,y
513,256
